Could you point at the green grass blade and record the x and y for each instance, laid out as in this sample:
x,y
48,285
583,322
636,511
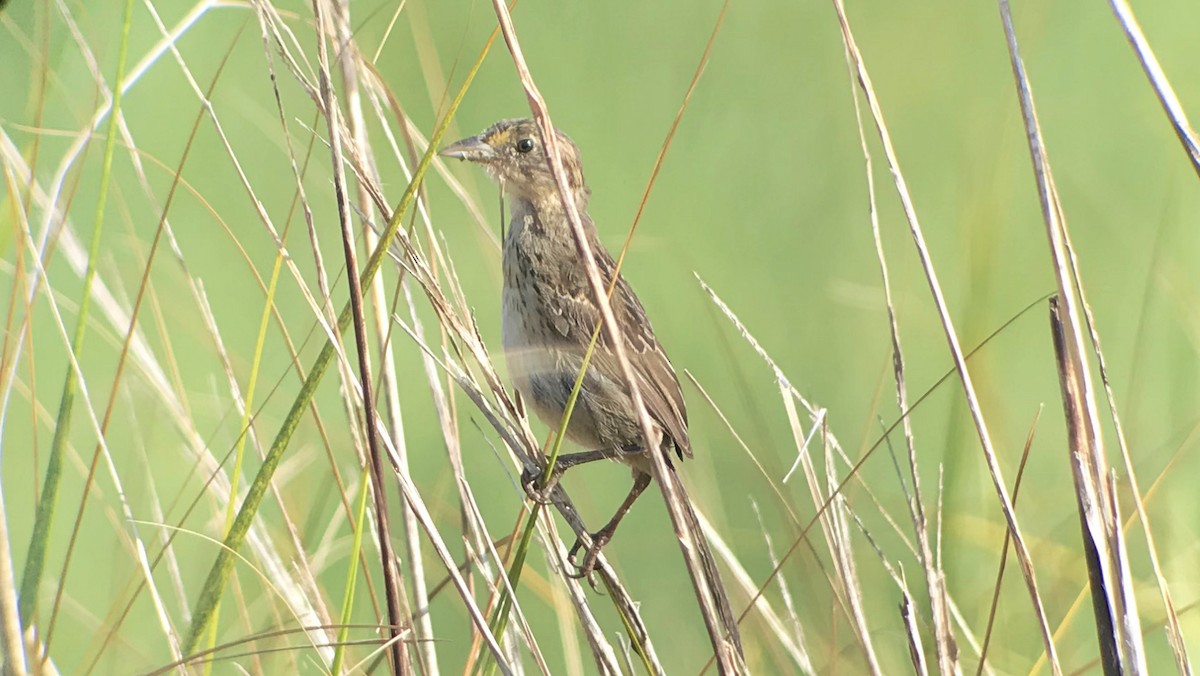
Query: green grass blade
x,y
247,409
35,561
351,573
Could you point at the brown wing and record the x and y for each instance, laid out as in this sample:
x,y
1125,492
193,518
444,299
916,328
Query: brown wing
x,y
656,378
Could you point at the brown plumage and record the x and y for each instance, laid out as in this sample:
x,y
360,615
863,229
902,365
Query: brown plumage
x,y
549,311
549,314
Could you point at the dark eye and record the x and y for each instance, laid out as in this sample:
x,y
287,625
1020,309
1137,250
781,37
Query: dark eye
x,y
524,145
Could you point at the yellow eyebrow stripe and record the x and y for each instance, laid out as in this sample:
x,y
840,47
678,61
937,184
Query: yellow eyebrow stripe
x,y
500,137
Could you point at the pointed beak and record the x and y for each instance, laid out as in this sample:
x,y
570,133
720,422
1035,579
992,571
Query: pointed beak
x,y
473,149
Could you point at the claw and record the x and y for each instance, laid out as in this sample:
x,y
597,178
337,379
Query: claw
x,y
590,576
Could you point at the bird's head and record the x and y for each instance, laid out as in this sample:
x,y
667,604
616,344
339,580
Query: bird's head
x,y
512,153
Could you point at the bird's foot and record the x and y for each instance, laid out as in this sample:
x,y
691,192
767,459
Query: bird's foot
x,y
586,567
537,490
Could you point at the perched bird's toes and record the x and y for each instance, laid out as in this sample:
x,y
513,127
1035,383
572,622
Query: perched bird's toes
x,y
590,576
531,481
586,567
574,550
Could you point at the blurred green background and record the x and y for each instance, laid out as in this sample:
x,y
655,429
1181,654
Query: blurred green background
x,y
763,195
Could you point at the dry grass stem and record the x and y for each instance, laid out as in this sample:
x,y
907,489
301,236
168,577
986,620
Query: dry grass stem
x,y
1162,87
996,588
908,615
1108,614
391,572
602,651
349,59
847,588
1174,631
1112,586
10,624
956,352
790,639
947,650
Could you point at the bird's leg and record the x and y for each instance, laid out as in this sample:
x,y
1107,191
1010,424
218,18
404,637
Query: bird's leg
x,y
601,537
531,480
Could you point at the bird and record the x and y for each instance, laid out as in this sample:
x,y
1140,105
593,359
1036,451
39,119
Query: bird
x,y
549,314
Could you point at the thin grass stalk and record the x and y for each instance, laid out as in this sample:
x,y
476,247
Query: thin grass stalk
x,y
561,604
475,532
662,151
256,650
901,582
519,631
422,624
968,635
304,589
840,514
302,597
389,564
43,520
846,588
817,422
635,628
1069,616
247,407
1098,505
947,650
729,656
972,400
10,621
358,527
223,566
1174,631
317,629
908,616
752,590
790,639
165,552
602,651
987,634
15,659
136,543
39,111
476,529
426,645
81,142
815,414
1179,122
324,312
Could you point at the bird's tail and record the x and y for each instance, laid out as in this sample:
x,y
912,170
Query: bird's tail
x,y
728,628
